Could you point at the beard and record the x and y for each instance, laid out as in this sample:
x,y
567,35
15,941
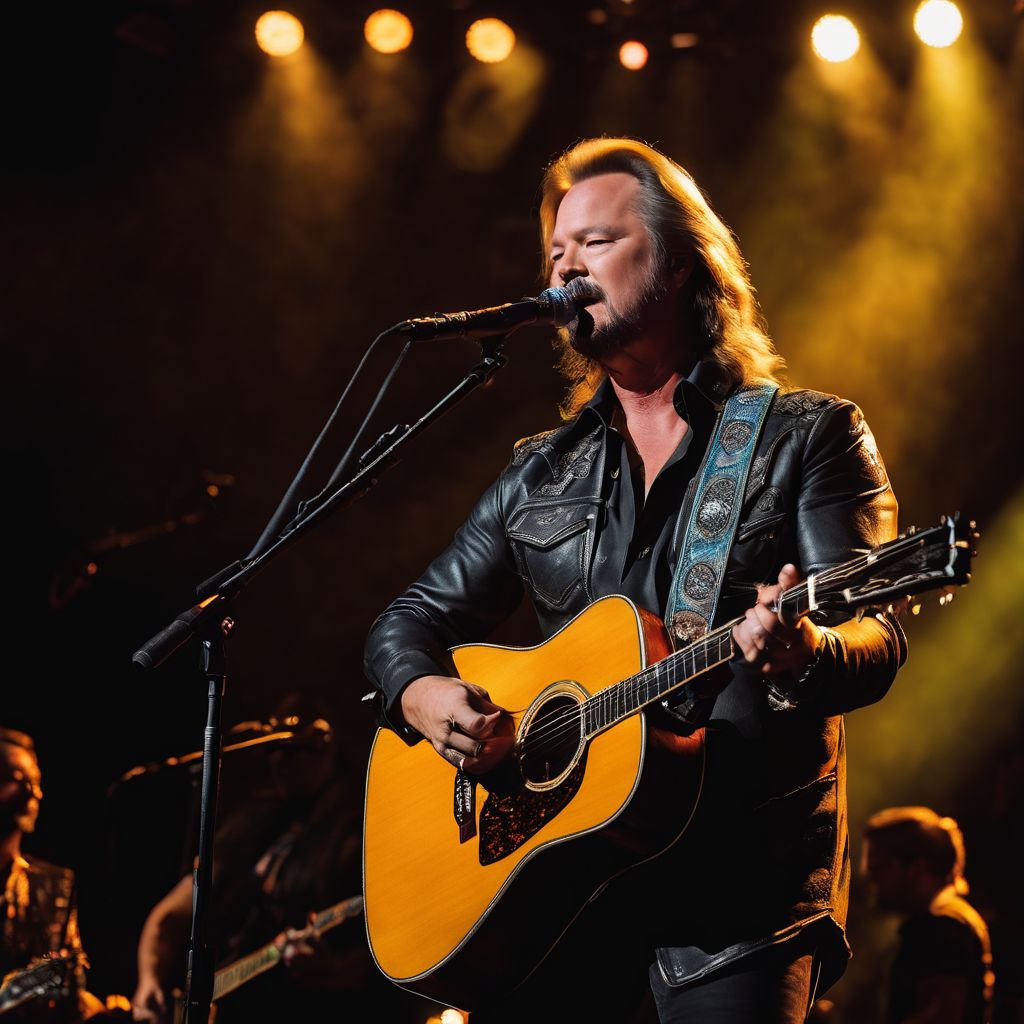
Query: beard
x,y
621,328
18,819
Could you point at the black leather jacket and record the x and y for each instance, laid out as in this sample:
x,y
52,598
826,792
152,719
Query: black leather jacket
x,y
774,849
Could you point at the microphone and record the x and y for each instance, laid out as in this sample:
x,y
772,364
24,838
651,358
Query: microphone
x,y
555,306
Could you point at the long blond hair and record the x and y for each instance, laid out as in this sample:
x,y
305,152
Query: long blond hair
x,y
725,323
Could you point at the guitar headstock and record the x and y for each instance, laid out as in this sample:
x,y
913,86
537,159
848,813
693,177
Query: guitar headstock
x,y
50,977
936,558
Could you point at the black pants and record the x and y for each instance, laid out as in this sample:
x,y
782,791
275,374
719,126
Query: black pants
x,y
774,987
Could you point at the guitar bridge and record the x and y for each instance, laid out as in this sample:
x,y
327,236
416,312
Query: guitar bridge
x,y
465,806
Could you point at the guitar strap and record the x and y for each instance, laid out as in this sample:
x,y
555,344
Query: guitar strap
x,y
715,513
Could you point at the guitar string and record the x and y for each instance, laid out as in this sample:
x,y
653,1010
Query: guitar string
x,y
569,720
255,963
626,692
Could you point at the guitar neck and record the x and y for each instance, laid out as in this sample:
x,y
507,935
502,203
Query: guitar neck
x,y
618,702
333,916
229,978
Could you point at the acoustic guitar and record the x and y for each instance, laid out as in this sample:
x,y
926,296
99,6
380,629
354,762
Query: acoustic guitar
x,y
469,883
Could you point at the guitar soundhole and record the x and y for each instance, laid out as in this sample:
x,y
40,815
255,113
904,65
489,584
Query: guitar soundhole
x,y
551,740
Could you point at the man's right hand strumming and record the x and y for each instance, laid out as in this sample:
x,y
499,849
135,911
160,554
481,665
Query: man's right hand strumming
x,y
460,720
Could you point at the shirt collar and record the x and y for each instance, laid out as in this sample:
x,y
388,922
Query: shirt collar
x,y
698,397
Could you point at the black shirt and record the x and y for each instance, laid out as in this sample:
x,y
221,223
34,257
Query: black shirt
x,y
638,543
951,940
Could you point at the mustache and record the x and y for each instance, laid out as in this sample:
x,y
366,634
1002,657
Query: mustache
x,y
585,290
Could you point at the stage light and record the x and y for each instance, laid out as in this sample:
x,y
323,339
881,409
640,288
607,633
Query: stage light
x,y
388,31
835,38
633,55
684,40
279,33
451,1016
490,40
938,23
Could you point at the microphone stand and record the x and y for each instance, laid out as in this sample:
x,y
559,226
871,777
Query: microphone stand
x,y
211,621
268,736
274,737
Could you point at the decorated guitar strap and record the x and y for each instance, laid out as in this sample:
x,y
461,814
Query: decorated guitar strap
x,y
715,513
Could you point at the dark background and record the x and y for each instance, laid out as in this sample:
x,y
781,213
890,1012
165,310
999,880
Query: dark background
x,y
201,241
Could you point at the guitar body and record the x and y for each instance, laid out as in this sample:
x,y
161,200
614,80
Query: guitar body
x,y
463,922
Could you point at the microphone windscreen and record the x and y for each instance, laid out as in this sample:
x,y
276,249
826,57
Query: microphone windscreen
x,y
563,309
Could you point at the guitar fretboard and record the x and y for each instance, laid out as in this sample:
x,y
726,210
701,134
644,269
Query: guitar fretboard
x,y
615,703
230,978
618,702
227,979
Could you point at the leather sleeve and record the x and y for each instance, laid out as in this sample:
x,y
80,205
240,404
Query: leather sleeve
x,y
846,504
464,593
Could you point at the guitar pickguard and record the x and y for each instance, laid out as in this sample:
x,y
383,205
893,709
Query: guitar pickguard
x,y
508,819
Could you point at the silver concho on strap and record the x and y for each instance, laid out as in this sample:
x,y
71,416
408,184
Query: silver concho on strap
x,y
736,435
716,506
687,627
700,581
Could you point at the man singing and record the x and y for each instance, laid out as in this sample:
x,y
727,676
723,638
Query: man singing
x,y
744,920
